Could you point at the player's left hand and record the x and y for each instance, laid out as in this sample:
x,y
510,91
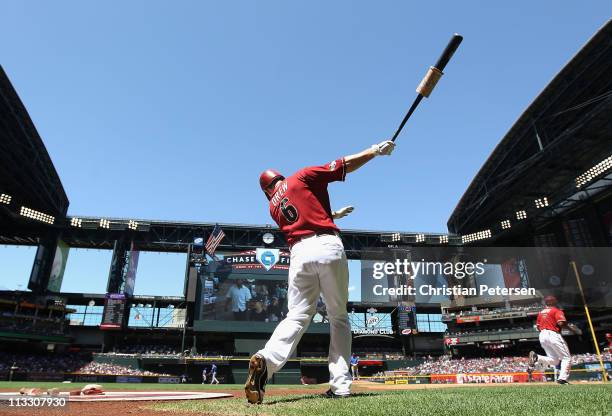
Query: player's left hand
x,y
384,148
342,212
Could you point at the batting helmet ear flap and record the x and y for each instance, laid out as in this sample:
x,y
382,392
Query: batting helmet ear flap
x,y
267,178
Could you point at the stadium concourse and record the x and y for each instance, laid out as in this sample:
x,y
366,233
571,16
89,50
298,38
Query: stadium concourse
x,y
548,184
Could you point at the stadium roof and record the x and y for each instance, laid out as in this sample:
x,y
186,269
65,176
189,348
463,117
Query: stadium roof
x,y
175,236
26,171
564,132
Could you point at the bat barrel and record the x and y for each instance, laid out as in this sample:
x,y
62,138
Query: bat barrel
x,y
450,49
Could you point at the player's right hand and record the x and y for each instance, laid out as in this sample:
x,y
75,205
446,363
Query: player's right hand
x,y
342,212
384,148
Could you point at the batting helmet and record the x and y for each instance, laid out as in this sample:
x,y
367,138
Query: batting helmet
x,y
550,300
267,178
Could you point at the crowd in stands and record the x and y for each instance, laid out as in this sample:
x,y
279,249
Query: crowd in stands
x,y
63,363
484,331
447,365
115,369
533,308
147,349
43,363
379,354
78,363
591,358
27,324
161,351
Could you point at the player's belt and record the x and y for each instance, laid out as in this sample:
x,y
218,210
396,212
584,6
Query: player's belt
x,y
320,233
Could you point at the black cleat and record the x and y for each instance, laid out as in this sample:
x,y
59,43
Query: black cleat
x,y
255,386
562,382
331,395
533,359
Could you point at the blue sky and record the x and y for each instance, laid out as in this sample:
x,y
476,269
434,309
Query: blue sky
x,y
170,110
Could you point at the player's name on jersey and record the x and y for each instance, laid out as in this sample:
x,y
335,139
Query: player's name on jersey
x,y
429,290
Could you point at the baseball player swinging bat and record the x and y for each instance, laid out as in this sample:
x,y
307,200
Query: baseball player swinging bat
x,y
300,205
431,79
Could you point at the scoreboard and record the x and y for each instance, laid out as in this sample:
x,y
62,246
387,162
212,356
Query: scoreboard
x,y
114,311
407,320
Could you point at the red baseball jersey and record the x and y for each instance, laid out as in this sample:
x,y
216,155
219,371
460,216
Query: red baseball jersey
x,y
300,206
549,318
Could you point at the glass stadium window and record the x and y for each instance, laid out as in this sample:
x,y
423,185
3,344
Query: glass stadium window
x,y
85,315
360,321
146,316
357,320
379,320
142,316
430,322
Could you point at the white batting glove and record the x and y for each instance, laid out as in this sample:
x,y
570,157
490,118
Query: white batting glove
x,y
342,212
383,148
574,329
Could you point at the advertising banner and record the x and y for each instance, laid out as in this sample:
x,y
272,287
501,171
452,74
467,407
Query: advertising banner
x,y
132,267
58,267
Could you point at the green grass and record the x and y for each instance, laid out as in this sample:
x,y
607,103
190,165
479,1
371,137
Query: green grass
x,y
591,400
516,400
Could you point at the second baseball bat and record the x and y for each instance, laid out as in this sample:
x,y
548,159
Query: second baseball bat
x,y
431,78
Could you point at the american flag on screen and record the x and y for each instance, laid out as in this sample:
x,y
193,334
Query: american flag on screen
x,y
214,240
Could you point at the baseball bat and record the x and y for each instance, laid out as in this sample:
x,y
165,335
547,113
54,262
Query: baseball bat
x,y
431,79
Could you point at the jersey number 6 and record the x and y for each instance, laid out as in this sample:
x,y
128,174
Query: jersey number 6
x,y
289,211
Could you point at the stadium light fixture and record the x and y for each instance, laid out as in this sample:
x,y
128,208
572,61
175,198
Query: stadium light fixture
x,y
5,199
36,215
505,224
597,170
104,223
420,238
391,238
443,239
76,222
521,215
479,235
541,202
132,225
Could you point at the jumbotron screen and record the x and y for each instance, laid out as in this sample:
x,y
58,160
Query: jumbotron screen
x,y
243,298
252,286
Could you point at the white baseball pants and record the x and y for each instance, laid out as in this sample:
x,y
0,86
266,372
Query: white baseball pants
x,y
556,352
318,267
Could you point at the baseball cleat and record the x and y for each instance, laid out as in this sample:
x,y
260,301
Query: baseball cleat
x,y
331,395
533,358
255,386
562,382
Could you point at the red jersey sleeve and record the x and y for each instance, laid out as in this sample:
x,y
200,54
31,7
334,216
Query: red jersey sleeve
x,y
331,172
559,316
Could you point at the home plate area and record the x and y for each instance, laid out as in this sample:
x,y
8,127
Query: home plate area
x,y
131,396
